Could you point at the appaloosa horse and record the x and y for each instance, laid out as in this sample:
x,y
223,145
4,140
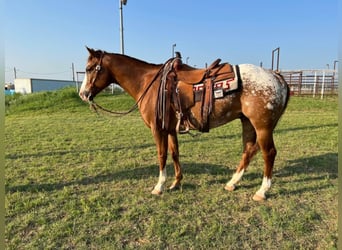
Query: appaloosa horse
x,y
258,103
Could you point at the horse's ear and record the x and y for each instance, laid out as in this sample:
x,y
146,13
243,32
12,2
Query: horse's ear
x,y
91,51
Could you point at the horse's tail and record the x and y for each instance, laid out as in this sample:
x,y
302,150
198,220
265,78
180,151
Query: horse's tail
x,y
283,81
287,98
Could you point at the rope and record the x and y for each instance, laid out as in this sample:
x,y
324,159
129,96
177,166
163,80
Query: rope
x,y
95,107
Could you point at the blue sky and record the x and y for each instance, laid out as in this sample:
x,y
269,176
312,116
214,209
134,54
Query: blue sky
x,y
43,38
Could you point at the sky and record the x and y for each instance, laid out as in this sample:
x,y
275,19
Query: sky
x,y
43,38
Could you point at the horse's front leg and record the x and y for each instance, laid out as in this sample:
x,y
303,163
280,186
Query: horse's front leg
x,y
161,139
173,148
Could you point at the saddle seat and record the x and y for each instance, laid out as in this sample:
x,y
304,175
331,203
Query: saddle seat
x,y
193,76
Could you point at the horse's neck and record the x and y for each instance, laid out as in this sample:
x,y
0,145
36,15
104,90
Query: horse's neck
x,y
132,74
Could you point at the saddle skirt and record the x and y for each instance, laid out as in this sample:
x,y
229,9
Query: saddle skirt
x,y
191,82
223,84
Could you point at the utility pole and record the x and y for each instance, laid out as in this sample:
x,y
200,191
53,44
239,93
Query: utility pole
x,y
122,2
15,73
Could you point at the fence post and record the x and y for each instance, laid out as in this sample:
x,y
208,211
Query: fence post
x,y
315,85
77,90
323,83
300,83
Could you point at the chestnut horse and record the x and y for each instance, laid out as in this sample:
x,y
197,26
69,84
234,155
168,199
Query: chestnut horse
x,y
259,104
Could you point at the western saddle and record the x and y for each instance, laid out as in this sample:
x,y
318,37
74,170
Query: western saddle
x,y
175,73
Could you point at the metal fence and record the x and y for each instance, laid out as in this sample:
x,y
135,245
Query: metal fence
x,y
312,82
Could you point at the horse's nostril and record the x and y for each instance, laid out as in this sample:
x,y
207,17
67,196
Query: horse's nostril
x,y
85,95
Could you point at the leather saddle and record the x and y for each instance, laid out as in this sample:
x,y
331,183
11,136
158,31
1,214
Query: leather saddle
x,y
188,76
193,76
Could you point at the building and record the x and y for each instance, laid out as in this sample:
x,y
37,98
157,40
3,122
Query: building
x,y
32,85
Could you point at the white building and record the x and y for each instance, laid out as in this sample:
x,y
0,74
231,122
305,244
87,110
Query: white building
x,y
31,85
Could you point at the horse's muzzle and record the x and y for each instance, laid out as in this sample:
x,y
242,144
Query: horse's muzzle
x,y
86,96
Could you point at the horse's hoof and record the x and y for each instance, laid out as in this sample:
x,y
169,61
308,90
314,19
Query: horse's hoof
x,y
174,187
259,198
156,192
229,188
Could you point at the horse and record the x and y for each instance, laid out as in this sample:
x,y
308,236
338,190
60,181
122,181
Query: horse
x,y
259,103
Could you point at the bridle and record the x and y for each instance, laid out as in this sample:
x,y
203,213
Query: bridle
x,y
94,106
97,69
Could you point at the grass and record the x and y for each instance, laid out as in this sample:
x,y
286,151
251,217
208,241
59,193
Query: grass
x,y
75,180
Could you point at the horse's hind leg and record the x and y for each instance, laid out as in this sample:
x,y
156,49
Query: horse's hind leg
x,y
173,148
269,152
250,148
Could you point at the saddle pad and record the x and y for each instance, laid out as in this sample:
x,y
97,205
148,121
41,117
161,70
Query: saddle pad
x,y
221,88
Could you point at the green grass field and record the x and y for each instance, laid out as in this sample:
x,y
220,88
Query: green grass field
x,y
76,180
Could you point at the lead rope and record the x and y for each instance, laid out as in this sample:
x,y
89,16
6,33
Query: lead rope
x,y
95,107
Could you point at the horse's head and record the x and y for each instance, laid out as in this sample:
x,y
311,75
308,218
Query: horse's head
x,y
97,76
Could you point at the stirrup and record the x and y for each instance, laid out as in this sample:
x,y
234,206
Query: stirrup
x,y
185,128
184,131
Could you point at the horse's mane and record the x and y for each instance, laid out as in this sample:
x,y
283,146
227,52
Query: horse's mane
x,y
98,53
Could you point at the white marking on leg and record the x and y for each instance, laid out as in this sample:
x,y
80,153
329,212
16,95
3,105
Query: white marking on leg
x,y
265,186
235,179
161,181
